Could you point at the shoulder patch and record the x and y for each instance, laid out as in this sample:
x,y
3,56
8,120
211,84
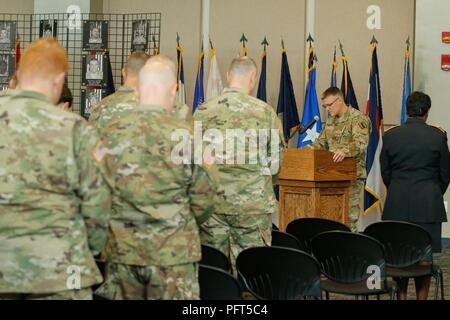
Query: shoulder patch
x,y
439,128
362,124
392,128
99,152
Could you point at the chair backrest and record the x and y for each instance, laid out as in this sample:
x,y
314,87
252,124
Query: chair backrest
x,y
346,257
279,273
405,243
285,240
215,258
216,284
304,229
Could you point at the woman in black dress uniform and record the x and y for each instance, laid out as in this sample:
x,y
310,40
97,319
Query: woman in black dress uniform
x,y
415,166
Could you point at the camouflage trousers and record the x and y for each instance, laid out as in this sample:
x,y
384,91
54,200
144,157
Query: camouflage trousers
x,y
231,234
82,294
355,196
126,282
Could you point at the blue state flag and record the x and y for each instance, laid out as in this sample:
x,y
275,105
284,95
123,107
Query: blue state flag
x,y
287,107
406,86
110,88
199,94
262,93
181,93
347,85
334,65
311,107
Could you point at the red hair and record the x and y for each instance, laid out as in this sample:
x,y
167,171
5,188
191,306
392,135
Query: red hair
x,y
44,58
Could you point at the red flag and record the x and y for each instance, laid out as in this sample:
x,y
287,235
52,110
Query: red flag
x,y
17,52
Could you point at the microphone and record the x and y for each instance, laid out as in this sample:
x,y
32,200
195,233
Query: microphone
x,y
301,130
309,125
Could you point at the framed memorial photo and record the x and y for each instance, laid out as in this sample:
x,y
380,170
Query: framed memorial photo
x,y
89,98
139,37
48,28
7,35
94,71
7,66
95,35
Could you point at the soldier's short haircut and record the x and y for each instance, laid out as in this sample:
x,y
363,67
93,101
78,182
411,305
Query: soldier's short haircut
x,y
160,66
418,104
44,58
135,62
242,67
332,91
164,59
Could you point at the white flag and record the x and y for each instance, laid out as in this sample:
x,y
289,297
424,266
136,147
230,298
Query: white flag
x,y
181,93
214,86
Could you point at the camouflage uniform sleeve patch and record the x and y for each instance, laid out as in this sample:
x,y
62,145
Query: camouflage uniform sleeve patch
x,y
99,152
362,125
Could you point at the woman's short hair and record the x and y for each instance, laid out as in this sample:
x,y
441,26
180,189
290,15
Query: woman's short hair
x,y
418,104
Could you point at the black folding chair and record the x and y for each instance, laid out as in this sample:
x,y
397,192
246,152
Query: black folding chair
x,y
353,264
304,229
406,245
216,284
285,240
277,273
215,258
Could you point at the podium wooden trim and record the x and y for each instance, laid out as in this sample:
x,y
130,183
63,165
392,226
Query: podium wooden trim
x,y
313,185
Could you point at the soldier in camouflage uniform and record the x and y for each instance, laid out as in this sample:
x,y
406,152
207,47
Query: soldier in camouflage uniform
x,y
346,134
243,218
154,243
54,203
125,100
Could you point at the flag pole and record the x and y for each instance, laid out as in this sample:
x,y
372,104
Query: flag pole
x,y
206,18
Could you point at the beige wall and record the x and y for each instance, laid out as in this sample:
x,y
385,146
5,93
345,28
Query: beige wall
x,y
183,17
259,18
430,22
346,20
22,6
334,19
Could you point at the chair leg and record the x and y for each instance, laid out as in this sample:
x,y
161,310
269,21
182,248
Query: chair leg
x,y
441,276
436,289
327,295
378,297
393,294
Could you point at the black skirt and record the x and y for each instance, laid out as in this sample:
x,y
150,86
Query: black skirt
x,y
435,231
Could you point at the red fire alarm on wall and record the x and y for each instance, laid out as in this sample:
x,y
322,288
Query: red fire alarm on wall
x,y
445,62
446,37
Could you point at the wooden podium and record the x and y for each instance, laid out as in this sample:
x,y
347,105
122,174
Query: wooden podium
x,y
313,185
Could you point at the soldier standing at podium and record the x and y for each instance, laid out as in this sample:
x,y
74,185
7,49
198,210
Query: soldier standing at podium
x,y
346,134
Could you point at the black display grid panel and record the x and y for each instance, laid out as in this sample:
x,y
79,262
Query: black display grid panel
x,y
119,40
